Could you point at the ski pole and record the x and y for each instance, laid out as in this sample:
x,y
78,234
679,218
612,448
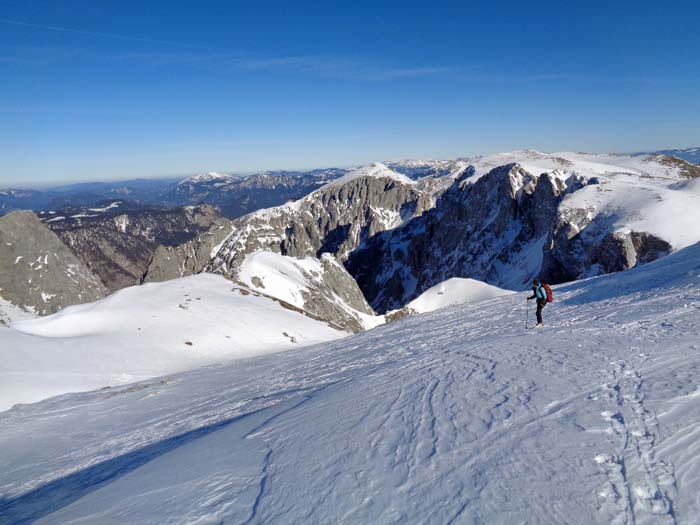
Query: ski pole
x,y
527,313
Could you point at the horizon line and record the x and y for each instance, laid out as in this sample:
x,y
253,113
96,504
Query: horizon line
x,y
49,185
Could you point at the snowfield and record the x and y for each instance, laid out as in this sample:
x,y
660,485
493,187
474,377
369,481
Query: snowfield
x,y
456,416
454,291
145,331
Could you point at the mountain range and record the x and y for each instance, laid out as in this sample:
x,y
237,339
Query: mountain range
x,y
502,219
234,195
691,155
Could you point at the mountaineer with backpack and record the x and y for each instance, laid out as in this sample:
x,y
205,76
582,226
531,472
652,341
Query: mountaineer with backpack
x,y
543,294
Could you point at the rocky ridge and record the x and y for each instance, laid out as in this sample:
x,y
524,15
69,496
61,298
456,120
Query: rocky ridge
x,y
320,287
38,272
508,226
118,246
336,219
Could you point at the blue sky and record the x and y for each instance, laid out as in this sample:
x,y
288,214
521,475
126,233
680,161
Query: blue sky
x,y
104,90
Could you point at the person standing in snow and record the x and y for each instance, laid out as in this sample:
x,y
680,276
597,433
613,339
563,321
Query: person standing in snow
x,y
539,294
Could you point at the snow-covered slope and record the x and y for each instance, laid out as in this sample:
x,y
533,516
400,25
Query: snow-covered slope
x,y
456,416
584,164
146,331
662,206
451,292
10,313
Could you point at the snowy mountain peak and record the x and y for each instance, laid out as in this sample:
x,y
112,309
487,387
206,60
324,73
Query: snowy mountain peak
x,y
207,178
528,153
375,170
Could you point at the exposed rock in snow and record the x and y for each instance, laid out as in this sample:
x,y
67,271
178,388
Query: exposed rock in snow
x,y
561,216
321,287
189,258
119,247
377,170
37,271
691,155
491,230
10,313
335,219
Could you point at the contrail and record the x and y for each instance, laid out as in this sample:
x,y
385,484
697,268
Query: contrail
x,y
99,34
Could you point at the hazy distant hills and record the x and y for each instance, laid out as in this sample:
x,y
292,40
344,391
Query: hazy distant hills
x,y
691,155
233,195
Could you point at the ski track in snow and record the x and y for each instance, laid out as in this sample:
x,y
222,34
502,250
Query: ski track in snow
x,y
458,416
642,488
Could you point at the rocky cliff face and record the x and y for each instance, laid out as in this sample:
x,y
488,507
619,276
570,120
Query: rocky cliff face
x,y
505,228
474,230
580,247
335,219
320,287
189,258
37,271
119,246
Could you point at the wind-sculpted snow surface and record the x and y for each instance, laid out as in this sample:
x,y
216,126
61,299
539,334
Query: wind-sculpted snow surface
x,y
457,416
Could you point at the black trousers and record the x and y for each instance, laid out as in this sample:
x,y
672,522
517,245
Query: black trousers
x,y
540,305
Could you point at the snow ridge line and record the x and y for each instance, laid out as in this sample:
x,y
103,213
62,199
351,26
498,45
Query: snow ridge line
x,y
642,487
